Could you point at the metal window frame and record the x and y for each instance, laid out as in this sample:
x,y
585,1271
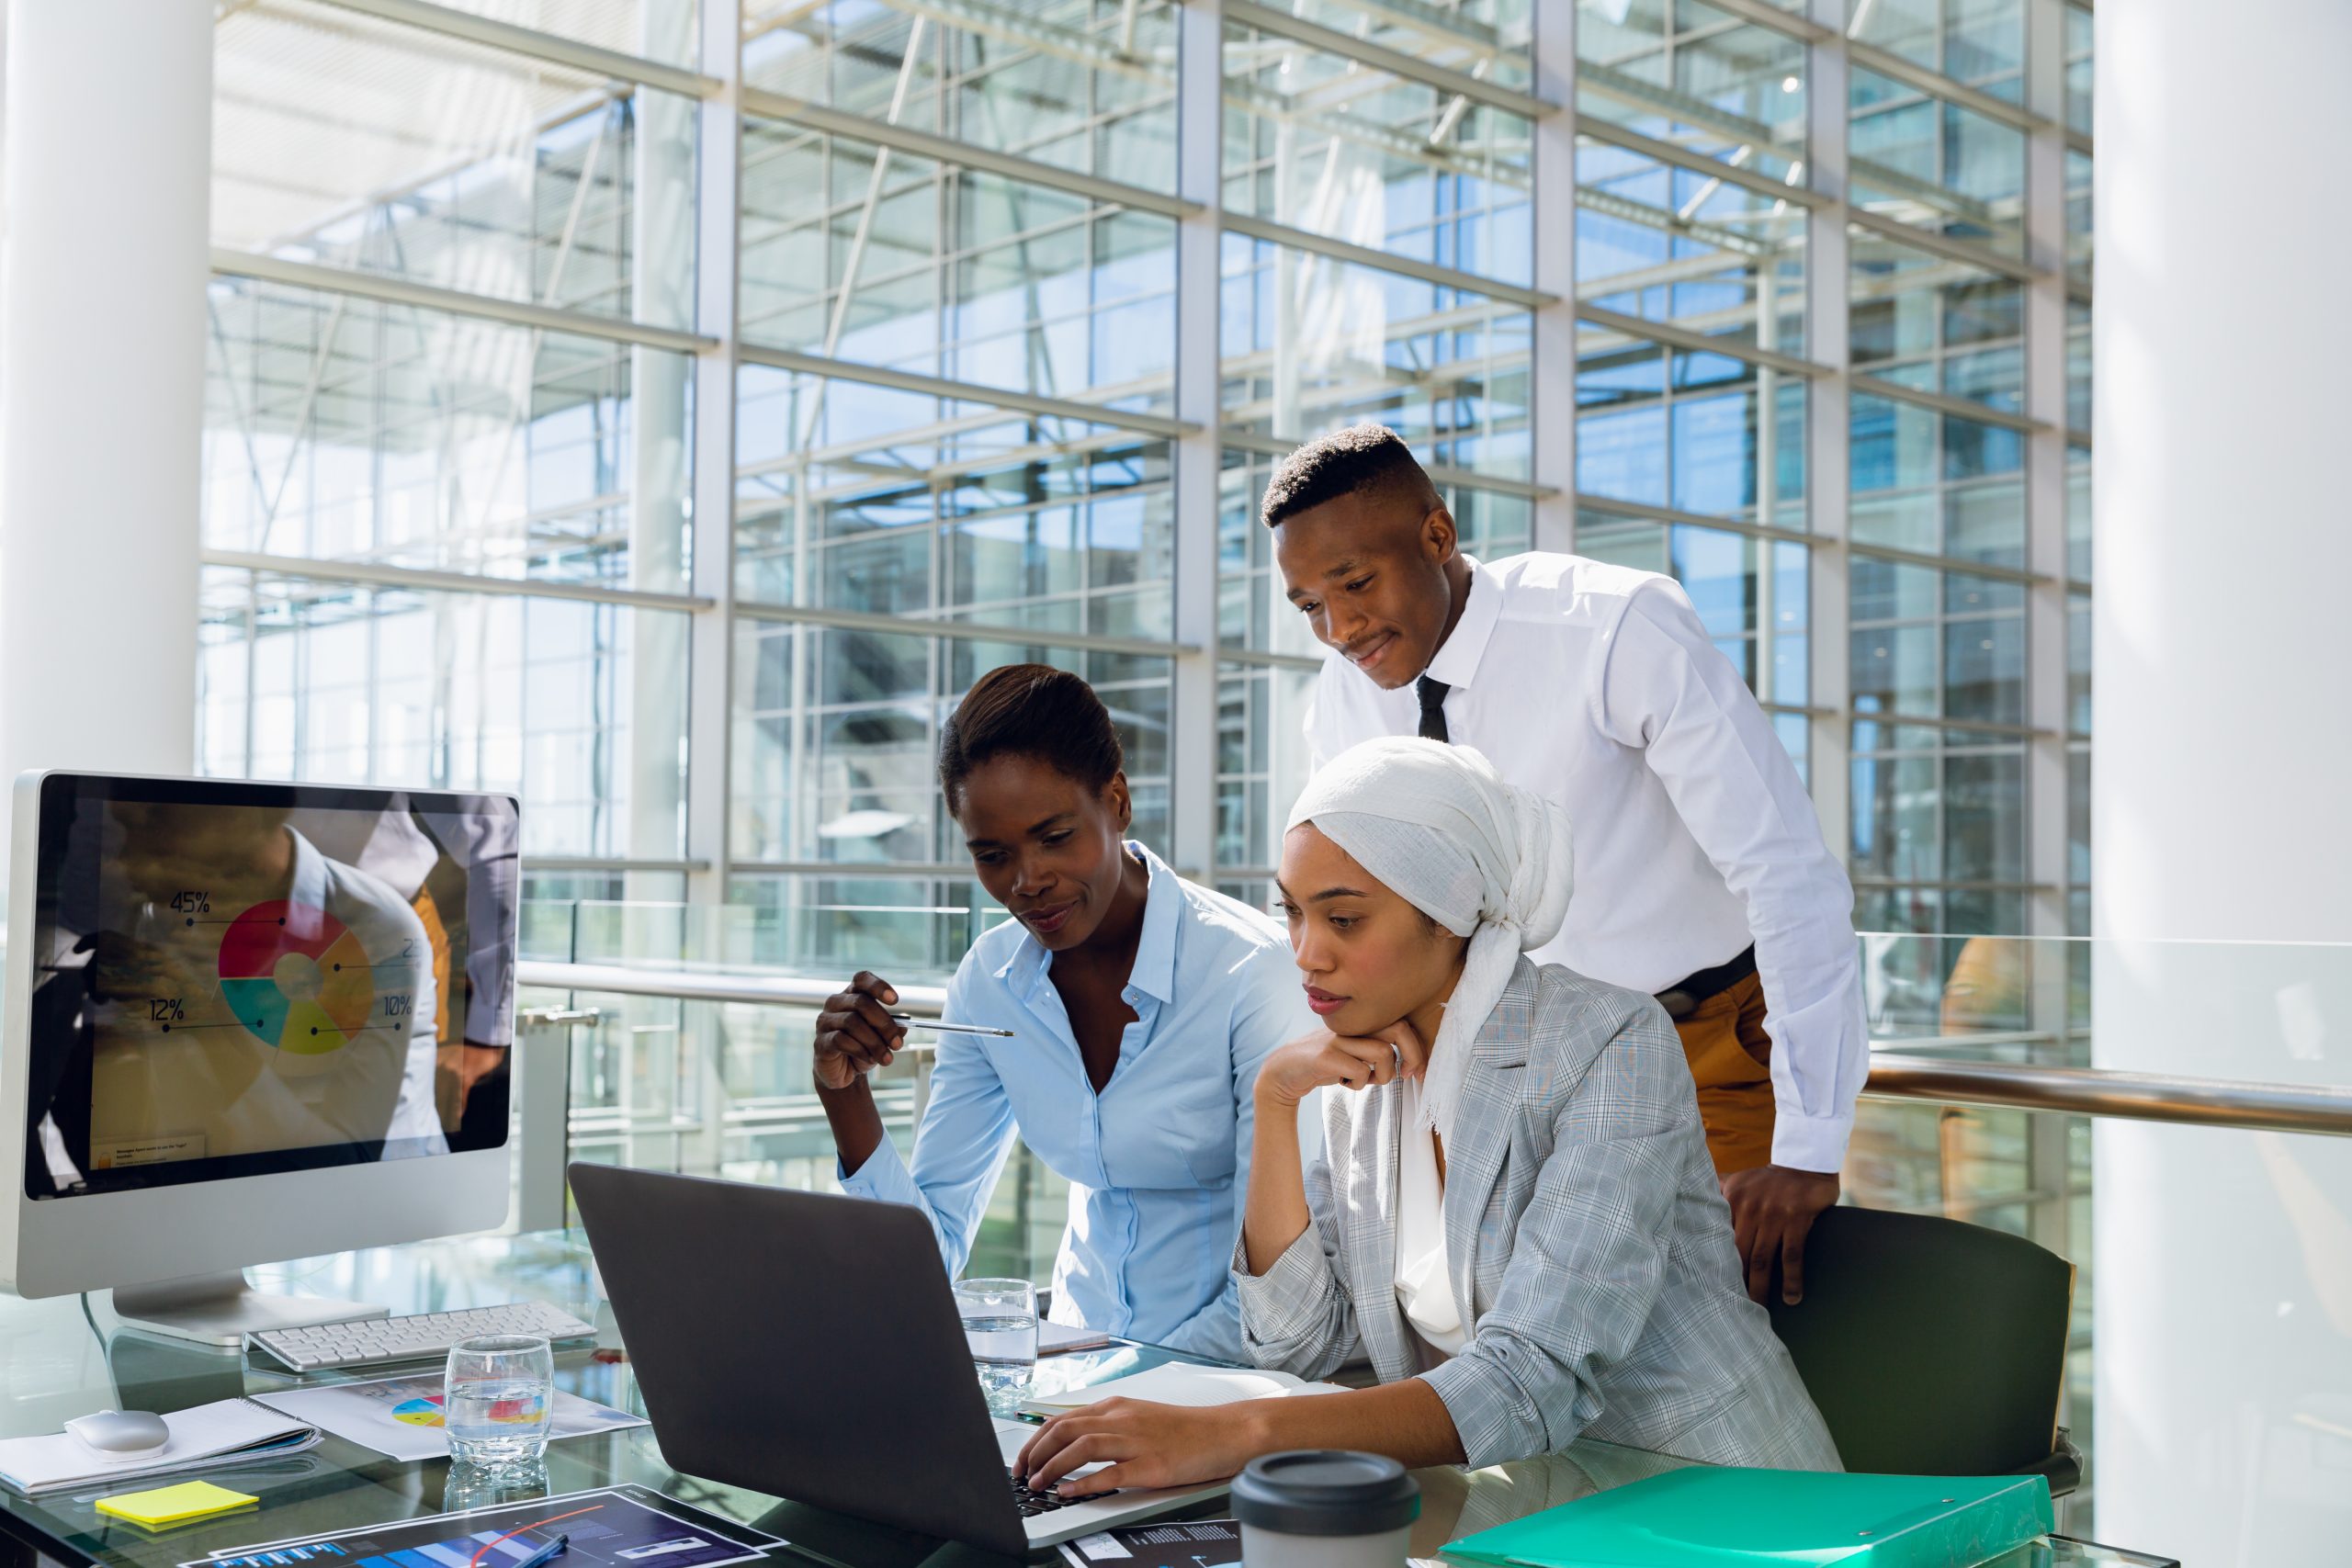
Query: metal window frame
x,y
1198,431
1237,439
1641,329
1812,31
1967,252
531,43
1267,658
962,392
1945,403
904,870
761,103
1893,67
1609,132
1554,495
388,291
1385,261
575,865
1395,62
314,569
939,626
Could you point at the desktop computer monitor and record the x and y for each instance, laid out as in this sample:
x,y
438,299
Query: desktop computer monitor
x,y
246,1022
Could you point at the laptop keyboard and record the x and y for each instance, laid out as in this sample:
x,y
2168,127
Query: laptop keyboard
x,y
1032,1504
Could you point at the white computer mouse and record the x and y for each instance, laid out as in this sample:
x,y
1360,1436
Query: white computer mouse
x,y
120,1434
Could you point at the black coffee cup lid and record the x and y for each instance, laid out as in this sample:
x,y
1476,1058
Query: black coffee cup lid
x,y
1326,1492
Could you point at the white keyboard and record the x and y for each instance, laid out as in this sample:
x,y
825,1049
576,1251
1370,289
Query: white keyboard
x,y
376,1340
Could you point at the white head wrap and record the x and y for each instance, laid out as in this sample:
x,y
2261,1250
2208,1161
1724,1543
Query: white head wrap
x,y
1485,858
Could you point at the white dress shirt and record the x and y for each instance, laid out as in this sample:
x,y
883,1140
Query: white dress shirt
x,y
1596,685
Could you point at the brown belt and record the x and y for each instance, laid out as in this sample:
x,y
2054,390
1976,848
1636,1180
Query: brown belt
x,y
1682,998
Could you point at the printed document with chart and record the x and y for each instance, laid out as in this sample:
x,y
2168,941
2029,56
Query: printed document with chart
x,y
401,1416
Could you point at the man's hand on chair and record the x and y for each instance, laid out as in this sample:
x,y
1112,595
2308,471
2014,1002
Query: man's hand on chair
x,y
1772,1211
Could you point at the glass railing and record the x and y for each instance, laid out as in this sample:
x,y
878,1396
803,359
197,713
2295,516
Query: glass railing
x,y
2010,1079
696,1058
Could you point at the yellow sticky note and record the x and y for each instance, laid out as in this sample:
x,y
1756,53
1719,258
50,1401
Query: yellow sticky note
x,y
172,1504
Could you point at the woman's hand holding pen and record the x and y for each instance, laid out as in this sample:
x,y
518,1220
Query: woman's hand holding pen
x,y
855,1032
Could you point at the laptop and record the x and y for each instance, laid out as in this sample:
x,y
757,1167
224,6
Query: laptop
x,y
808,1347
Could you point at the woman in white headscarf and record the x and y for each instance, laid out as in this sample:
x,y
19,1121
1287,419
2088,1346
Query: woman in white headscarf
x,y
1518,1224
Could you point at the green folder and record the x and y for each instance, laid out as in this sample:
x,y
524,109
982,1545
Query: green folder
x,y
1711,1517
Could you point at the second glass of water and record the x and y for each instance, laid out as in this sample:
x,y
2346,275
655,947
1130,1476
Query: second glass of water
x,y
1001,1324
498,1402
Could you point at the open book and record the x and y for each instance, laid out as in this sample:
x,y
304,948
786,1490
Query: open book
x,y
204,1436
1182,1383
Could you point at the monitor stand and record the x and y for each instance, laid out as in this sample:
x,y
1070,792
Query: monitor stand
x,y
221,1309
170,1374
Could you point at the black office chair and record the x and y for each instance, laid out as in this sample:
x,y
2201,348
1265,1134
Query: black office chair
x,y
1934,1348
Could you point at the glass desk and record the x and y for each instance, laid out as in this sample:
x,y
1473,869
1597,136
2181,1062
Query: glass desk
x,y
55,1364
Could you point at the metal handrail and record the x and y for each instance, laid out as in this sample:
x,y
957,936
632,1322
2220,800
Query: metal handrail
x,y
1893,1075
2099,1091
710,986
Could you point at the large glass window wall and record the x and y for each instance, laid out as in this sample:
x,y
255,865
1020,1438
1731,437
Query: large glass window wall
x,y
670,434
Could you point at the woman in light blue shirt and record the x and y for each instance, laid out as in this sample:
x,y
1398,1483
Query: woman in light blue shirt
x,y
1140,1006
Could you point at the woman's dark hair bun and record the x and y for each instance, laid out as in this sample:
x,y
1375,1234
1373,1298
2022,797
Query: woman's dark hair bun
x,y
1029,710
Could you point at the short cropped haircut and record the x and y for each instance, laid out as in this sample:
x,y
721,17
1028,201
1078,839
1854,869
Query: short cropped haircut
x,y
1029,710
1347,462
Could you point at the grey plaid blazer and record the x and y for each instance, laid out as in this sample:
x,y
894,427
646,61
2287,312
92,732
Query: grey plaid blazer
x,y
1588,1242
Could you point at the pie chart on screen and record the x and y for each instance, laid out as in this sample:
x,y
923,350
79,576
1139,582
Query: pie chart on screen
x,y
296,977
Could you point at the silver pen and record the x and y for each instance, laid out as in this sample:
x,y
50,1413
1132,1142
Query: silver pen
x,y
911,1022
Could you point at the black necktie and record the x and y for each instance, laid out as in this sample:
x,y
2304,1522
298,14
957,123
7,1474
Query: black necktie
x,y
1433,709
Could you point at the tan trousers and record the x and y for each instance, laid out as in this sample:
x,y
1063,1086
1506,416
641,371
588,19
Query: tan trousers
x,y
1729,1055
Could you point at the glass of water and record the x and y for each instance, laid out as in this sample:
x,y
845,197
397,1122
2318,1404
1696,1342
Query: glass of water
x,y
499,1402
1001,1324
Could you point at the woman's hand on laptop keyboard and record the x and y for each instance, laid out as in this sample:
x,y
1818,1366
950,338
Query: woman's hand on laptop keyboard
x,y
1141,1444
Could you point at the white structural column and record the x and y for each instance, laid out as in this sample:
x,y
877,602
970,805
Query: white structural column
x,y
2045,400
2223,1260
1552,370
108,172
661,292
718,221
2048,1138
1827,418
1193,722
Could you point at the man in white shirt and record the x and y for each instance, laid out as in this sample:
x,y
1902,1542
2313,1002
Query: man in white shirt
x,y
1700,872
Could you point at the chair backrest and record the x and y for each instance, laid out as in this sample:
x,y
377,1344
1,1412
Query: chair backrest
x,y
1931,1347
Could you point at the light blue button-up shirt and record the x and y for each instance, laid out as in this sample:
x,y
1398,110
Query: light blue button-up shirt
x,y
1158,1162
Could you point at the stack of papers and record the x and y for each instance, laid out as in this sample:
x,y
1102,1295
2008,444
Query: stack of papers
x,y
207,1435
1182,1383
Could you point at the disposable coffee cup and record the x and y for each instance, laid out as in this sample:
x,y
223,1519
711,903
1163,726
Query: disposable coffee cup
x,y
1325,1509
